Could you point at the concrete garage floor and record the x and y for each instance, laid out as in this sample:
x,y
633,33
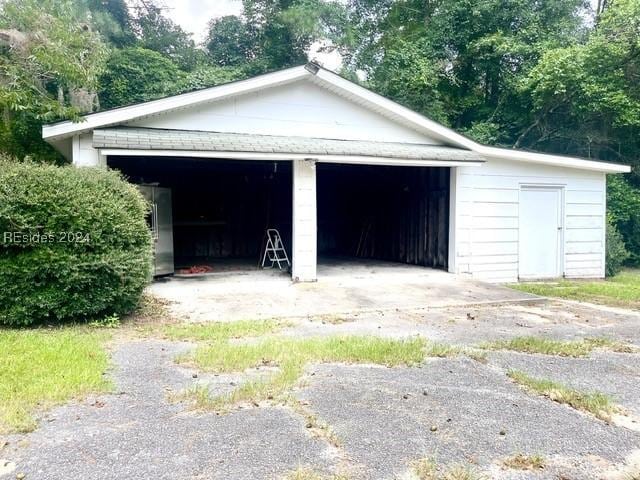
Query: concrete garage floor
x,y
457,411
344,286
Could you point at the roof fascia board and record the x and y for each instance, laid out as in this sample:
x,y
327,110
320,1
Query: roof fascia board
x,y
432,128
355,159
449,136
124,114
548,159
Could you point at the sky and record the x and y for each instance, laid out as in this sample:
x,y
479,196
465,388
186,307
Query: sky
x,y
193,16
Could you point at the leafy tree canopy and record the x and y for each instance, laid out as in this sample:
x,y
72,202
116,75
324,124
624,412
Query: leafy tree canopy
x,y
136,75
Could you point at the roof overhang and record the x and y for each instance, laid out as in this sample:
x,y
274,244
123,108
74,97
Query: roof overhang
x,y
117,116
346,159
56,133
181,143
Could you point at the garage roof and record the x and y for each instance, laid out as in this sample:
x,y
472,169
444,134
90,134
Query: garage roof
x,y
59,133
128,140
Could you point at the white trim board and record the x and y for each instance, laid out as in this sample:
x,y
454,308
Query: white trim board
x,y
216,155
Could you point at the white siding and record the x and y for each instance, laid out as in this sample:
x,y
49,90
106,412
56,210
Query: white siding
x,y
305,243
83,154
485,219
298,109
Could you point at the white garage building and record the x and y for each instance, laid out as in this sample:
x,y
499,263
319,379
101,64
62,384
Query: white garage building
x,y
342,171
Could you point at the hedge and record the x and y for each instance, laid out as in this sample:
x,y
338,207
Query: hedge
x,y
74,244
616,251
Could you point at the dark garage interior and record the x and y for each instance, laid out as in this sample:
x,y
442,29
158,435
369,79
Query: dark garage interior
x,y
398,214
221,209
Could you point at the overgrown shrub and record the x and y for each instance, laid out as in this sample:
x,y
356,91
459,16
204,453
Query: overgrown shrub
x,y
74,243
617,253
623,207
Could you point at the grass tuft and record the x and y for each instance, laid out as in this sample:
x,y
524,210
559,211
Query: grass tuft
x,y
304,473
441,350
316,426
424,469
41,368
461,472
524,462
427,469
596,403
291,356
221,331
623,290
547,346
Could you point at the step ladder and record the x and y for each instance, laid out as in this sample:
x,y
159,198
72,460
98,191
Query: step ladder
x,y
274,251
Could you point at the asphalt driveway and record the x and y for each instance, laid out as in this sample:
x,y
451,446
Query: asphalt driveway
x,y
454,410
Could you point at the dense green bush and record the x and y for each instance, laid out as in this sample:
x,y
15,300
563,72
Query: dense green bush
x,y
617,253
74,243
623,206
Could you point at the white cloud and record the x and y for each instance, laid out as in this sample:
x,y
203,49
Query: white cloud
x,y
193,15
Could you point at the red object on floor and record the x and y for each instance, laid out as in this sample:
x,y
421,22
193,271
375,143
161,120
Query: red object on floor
x,y
195,269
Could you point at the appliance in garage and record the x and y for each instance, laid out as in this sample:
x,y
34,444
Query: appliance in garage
x,y
161,223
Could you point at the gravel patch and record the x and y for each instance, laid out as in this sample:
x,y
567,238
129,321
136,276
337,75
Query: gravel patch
x,y
138,434
615,374
455,410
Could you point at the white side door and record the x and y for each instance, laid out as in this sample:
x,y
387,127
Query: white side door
x,y
541,232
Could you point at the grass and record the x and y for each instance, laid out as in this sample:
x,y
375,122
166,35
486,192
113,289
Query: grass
x,y
221,331
304,473
427,469
623,290
40,368
547,346
524,462
442,350
595,403
290,356
316,426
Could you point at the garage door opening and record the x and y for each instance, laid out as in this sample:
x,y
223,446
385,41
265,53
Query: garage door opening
x,y
397,214
220,209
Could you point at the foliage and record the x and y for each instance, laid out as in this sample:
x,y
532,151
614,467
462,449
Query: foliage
x,y
112,19
50,54
228,42
596,403
291,356
479,49
616,252
623,290
586,97
156,32
137,75
623,206
221,331
40,368
548,346
50,61
93,254
410,78
273,34
206,76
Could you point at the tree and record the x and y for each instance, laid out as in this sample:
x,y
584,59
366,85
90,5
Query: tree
x,y
586,101
136,75
208,76
273,34
156,32
478,50
50,60
112,19
228,42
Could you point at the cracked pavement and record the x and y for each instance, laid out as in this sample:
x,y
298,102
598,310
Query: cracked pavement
x,y
455,410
